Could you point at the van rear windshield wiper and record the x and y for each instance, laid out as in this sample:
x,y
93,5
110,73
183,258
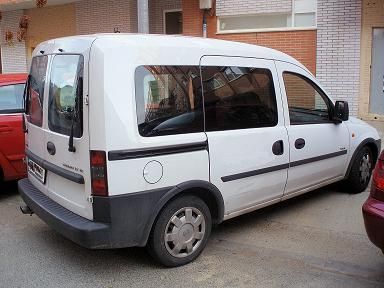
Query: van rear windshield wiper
x,y
75,114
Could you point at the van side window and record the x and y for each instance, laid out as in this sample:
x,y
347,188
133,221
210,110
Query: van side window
x,y
168,100
65,107
35,97
306,102
238,98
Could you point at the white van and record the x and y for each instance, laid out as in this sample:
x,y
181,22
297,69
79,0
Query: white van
x,y
144,140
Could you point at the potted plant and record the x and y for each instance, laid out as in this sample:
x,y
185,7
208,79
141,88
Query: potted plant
x,y
9,37
41,3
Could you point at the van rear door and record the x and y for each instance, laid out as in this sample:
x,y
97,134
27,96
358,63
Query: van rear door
x,y
68,183
35,140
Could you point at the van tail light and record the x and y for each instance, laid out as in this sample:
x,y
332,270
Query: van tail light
x,y
377,190
99,173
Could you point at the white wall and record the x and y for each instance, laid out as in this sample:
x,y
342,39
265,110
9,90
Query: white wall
x,y
13,57
338,49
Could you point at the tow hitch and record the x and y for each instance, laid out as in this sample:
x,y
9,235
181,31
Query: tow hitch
x,y
26,210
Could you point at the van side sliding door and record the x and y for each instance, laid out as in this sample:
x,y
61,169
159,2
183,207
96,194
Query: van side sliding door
x,y
248,142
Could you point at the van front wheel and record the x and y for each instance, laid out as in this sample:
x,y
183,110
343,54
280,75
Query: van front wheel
x,y
361,171
180,232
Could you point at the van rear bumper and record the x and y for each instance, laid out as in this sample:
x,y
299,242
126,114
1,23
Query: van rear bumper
x,y
89,234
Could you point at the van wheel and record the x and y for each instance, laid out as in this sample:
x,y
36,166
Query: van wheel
x,y
180,232
361,171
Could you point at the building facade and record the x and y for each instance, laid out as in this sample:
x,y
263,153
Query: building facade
x,y
341,41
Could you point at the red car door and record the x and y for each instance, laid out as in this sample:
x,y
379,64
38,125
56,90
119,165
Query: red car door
x,y
11,127
12,146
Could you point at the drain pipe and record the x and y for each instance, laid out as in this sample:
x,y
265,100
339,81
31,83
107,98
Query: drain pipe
x,y
205,5
205,23
142,16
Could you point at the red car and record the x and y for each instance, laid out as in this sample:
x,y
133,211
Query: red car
x,y
373,208
11,127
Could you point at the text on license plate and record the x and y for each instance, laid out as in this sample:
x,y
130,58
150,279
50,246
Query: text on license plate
x,y
36,170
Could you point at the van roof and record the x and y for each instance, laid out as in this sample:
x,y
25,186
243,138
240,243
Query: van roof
x,y
214,46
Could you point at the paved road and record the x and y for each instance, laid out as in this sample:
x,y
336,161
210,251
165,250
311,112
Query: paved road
x,y
317,240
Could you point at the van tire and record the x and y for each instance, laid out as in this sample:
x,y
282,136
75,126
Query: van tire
x,y
361,171
187,238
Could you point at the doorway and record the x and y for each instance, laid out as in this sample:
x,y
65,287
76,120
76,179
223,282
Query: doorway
x,y
376,101
173,21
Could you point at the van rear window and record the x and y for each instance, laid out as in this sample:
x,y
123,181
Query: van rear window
x,y
36,84
169,100
65,107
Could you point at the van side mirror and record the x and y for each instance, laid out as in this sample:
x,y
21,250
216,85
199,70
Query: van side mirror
x,y
341,112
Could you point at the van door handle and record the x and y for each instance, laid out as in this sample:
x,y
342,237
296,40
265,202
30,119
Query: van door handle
x,y
278,147
51,148
299,143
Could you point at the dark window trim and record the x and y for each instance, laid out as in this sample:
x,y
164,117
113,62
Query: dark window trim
x,y
116,155
69,175
323,95
282,166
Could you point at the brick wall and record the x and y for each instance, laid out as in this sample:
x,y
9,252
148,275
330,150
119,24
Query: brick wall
x,y
192,18
373,16
299,44
100,16
61,21
13,56
239,7
338,50
156,13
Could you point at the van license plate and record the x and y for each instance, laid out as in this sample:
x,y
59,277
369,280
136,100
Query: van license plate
x,y
36,170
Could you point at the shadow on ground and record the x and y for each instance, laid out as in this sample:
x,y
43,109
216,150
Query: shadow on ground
x,y
138,256
8,189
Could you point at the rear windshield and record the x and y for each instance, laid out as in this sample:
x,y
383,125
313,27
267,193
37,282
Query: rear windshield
x,y
65,95
11,98
36,82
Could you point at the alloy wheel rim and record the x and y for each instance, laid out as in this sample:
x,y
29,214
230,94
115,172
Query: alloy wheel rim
x,y
365,168
184,232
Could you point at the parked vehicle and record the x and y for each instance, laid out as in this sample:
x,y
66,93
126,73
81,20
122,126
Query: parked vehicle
x,y
12,144
373,208
150,140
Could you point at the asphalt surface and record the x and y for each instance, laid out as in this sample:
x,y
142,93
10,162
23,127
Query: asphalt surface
x,y
316,240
